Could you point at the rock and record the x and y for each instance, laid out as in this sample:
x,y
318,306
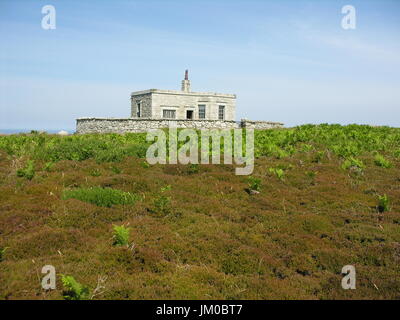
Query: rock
x,y
253,192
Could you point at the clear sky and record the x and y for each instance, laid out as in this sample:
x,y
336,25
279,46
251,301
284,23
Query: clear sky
x,y
288,61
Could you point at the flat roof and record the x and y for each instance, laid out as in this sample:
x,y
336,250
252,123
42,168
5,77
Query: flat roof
x,y
184,93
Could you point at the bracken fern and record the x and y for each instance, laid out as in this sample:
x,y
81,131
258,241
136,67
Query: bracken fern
x,y
73,290
121,235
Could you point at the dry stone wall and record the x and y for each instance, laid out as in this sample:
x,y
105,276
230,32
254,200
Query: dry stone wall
x,y
260,125
124,125
96,125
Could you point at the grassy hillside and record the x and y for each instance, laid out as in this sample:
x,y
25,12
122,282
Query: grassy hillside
x,y
329,197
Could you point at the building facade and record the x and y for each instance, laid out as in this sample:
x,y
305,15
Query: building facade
x,y
158,109
182,105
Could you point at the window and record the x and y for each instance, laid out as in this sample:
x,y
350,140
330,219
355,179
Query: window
x,y
138,113
202,111
221,113
169,114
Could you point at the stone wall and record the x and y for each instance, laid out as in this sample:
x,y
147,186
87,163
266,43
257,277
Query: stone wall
x,y
110,125
124,125
260,125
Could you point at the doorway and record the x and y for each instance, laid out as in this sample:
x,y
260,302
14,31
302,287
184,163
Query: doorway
x,y
189,114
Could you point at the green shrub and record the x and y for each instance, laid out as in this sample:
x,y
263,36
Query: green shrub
x,y
311,174
95,173
103,197
2,252
110,155
239,262
380,161
280,153
278,172
166,188
383,203
145,164
28,171
352,162
343,141
162,204
69,148
116,170
137,150
121,235
306,148
318,157
73,290
193,168
48,166
254,183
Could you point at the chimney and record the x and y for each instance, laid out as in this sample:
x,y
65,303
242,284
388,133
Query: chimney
x,y
186,82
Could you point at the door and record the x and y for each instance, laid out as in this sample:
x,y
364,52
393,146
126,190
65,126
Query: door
x,y
189,114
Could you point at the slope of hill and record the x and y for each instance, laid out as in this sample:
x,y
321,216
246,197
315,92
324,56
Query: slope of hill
x,y
329,197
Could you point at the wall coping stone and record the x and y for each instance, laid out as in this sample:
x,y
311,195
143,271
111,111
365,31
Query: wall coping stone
x,y
191,93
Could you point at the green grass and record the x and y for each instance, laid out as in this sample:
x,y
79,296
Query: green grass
x,y
103,197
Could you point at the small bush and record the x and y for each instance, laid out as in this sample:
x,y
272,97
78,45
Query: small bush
x,y
280,154
306,147
145,164
162,204
137,150
383,203
103,197
113,155
121,235
193,168
278,172
73,290
318,157
254,183
48,166
311,174
2,252
95,173
380,161
116,170
28,171
354,163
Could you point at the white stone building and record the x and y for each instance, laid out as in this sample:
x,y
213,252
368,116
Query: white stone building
x,y
182,105
157,109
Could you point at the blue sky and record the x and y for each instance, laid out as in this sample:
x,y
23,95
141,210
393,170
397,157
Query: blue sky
x,y
288,61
